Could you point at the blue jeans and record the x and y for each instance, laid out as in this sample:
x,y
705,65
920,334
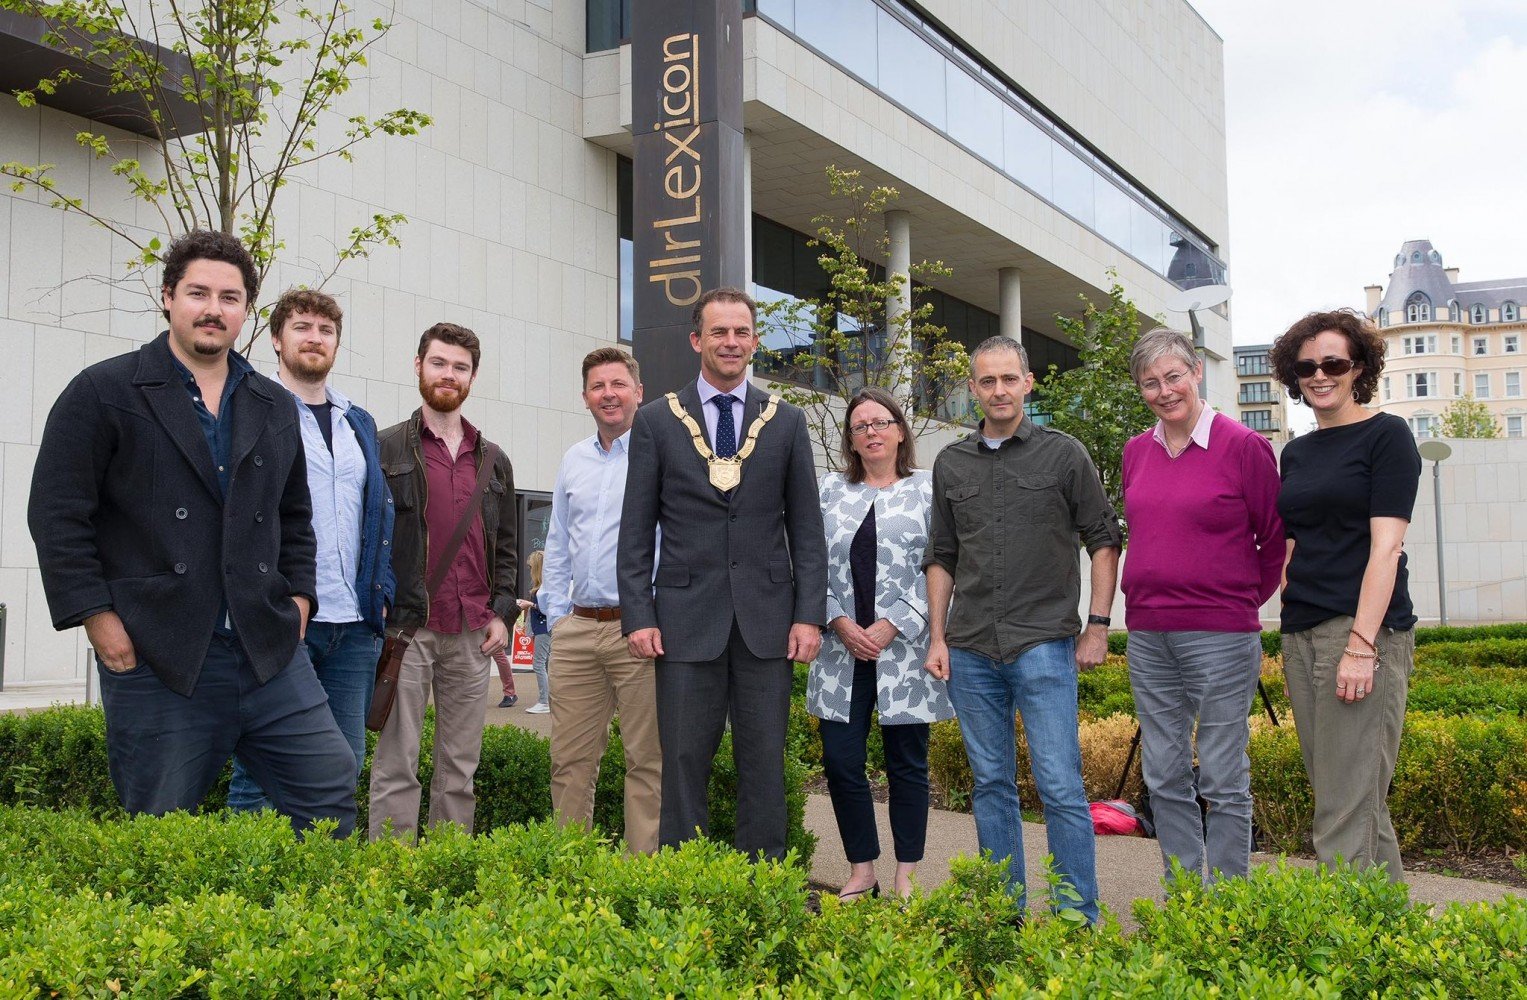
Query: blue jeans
x,y
1040,683
166,750
538,664
344,657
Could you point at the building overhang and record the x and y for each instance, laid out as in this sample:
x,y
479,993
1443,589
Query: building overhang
x,y
964,213
27,57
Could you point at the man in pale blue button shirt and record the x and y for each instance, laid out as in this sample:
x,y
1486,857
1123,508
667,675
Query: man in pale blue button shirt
x,y
593,674
352,521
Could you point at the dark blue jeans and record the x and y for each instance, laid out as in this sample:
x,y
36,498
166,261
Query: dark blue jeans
x,y
165,750
1039,683
344,657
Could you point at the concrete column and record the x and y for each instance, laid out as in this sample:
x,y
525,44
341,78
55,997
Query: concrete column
x,y
898,227
747,209
1010,295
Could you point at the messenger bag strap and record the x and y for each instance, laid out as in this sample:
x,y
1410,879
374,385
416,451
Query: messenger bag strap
x,y
448,554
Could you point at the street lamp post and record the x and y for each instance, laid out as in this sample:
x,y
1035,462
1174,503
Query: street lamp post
x,y
1436,452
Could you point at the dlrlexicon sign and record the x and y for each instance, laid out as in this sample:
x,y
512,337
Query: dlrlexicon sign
x,y
688,197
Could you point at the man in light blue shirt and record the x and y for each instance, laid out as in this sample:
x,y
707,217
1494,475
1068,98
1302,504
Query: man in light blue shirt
x,y
352,521
593,674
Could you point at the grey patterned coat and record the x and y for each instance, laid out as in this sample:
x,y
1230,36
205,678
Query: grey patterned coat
x,y
906,693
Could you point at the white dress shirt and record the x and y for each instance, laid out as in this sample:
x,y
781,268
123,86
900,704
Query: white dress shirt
x,y
581,541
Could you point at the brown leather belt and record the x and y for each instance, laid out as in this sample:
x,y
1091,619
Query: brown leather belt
x,y
598,614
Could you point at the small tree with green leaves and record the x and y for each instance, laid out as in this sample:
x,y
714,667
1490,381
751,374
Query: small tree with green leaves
x,y
265,76
830,346
1097,402
1467,417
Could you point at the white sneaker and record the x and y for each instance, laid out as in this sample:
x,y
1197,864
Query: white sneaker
x,y
539,708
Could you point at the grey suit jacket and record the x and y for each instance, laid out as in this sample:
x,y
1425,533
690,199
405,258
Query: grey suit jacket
x,y
757,555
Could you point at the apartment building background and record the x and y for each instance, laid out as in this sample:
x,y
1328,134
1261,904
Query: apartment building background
x,y
1447,339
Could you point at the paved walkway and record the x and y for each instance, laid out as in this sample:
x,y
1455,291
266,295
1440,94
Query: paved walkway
x,y
28,697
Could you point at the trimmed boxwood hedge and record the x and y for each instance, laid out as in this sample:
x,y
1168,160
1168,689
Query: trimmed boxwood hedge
x,y
1460,783
57,759
1476,677
1272,640
225,905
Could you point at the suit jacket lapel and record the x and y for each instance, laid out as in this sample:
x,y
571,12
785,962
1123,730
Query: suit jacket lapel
x,y
753,405
753,408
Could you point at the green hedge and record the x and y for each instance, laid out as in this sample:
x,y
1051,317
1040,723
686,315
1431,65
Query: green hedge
x,y
1469,633
1480,677
1460,783
57,759
1272,641
1474,653
233,906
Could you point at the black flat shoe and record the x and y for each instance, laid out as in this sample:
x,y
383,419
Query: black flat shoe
x,y
849,897
509,700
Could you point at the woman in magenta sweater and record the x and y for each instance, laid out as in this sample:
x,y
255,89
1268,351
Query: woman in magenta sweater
x,y
1205,552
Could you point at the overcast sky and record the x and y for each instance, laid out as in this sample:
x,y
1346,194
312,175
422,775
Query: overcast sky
x,y
1355,125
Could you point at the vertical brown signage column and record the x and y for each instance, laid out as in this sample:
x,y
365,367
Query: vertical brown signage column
x,y
688,198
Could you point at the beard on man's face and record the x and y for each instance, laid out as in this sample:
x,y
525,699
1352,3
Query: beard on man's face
x,y
442,399
309,364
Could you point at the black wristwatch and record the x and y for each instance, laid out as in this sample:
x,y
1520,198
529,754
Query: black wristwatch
x,y
1102,620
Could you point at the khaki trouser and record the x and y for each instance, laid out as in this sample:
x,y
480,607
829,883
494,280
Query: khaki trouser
x,y
457,669
1350,750
594,676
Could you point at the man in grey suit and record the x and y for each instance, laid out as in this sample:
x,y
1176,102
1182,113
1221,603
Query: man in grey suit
x,y
740,591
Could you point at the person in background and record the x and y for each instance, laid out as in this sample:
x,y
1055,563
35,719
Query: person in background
x,y
535,620
875,514
1202,483
505,678
1349,487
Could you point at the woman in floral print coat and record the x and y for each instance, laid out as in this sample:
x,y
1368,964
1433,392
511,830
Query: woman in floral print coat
x,y
876,514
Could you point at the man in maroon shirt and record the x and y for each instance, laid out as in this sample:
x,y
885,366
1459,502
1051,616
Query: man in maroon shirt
x,y
431,461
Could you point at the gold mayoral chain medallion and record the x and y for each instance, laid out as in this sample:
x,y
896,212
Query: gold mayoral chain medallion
x,y
725,473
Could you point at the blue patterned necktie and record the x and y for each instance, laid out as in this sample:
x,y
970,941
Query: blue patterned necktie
x,y
726,428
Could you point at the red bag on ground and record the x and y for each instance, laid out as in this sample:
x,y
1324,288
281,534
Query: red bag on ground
x,y
1116,817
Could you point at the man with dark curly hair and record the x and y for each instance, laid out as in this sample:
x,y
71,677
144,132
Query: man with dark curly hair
x,y
171,514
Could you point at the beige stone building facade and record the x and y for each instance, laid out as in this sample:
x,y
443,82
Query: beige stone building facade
x,y
1448,339
1035,146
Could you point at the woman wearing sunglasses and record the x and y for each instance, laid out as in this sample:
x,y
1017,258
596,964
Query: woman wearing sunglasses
x,y
1205,553
876,516
1348,627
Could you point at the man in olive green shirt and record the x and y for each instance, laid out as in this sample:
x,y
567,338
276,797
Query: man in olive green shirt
x,y
1009,504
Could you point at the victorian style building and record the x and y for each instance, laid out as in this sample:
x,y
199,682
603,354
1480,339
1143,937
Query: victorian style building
x,y
1448,339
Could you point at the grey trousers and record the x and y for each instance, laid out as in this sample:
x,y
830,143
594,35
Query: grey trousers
x,y
694,701
1210,678
456,669
1350,750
